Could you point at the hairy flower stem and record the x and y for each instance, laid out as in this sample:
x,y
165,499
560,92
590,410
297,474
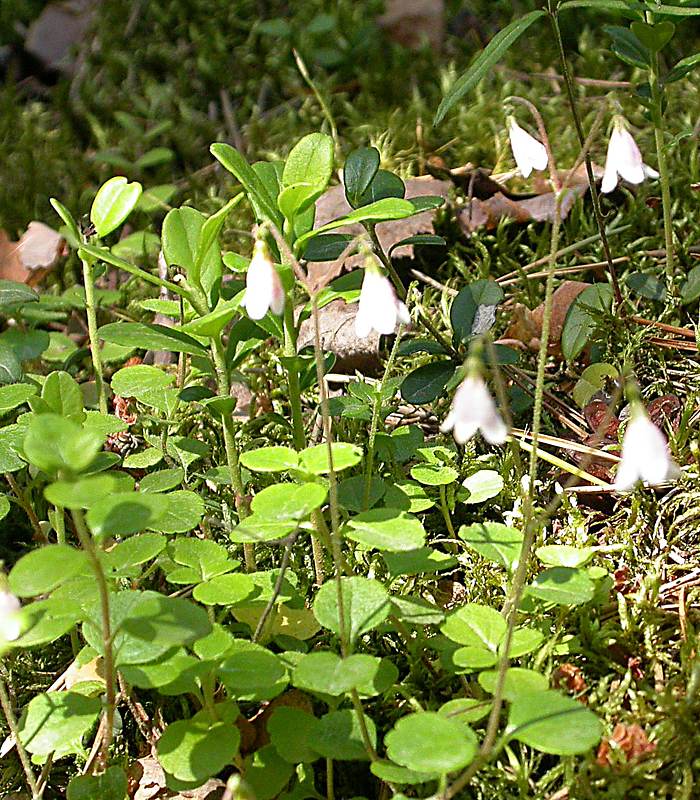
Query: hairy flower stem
x,y
91,550
345,642
376,413
91,313
332,481
595,196
530,528
224,389
14,730
290,352
658,120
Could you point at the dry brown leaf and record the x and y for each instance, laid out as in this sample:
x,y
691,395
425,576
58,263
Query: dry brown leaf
x,y
147,782
332,204
541,208
413,22
570,678
93,670
526,325
631,740
29,259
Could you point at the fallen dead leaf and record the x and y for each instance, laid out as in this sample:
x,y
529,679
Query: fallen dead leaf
x,y
332,204
93,670
147,782
570,678
413,22
631,740
526,325
29,259
541,208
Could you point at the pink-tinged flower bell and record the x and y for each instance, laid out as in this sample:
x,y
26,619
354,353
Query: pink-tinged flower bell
x,y
645,455
10,619
528,152
473,409
624,159
263,288
379,308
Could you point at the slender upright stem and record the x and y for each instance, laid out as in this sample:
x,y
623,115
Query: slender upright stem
x,y
14,730
224,389
290,351
92,553
91,313
664,179
595,197
530,527
376,413
336,550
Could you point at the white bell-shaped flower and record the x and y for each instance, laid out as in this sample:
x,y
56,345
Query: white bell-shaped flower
x,y
10,619
473,409
528,152
263,288
379,308
623,159
645,455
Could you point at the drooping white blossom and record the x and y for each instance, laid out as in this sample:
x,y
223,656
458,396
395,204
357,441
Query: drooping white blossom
x,y
528,152
10,619
379,308
623,159
645,455
473,409
264,291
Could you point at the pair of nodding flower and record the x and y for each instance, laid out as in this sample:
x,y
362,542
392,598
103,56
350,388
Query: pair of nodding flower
x,y
623,159
645,452
379,308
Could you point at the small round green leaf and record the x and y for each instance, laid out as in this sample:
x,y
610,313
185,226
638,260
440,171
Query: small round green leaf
x,y
434,474
196,749
365,605
386,529
552,723
288,501
563,586
315,459
328,673
338,736
54,719
40,571
482,486
224,590
270,459
290,730
124,513
429,742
